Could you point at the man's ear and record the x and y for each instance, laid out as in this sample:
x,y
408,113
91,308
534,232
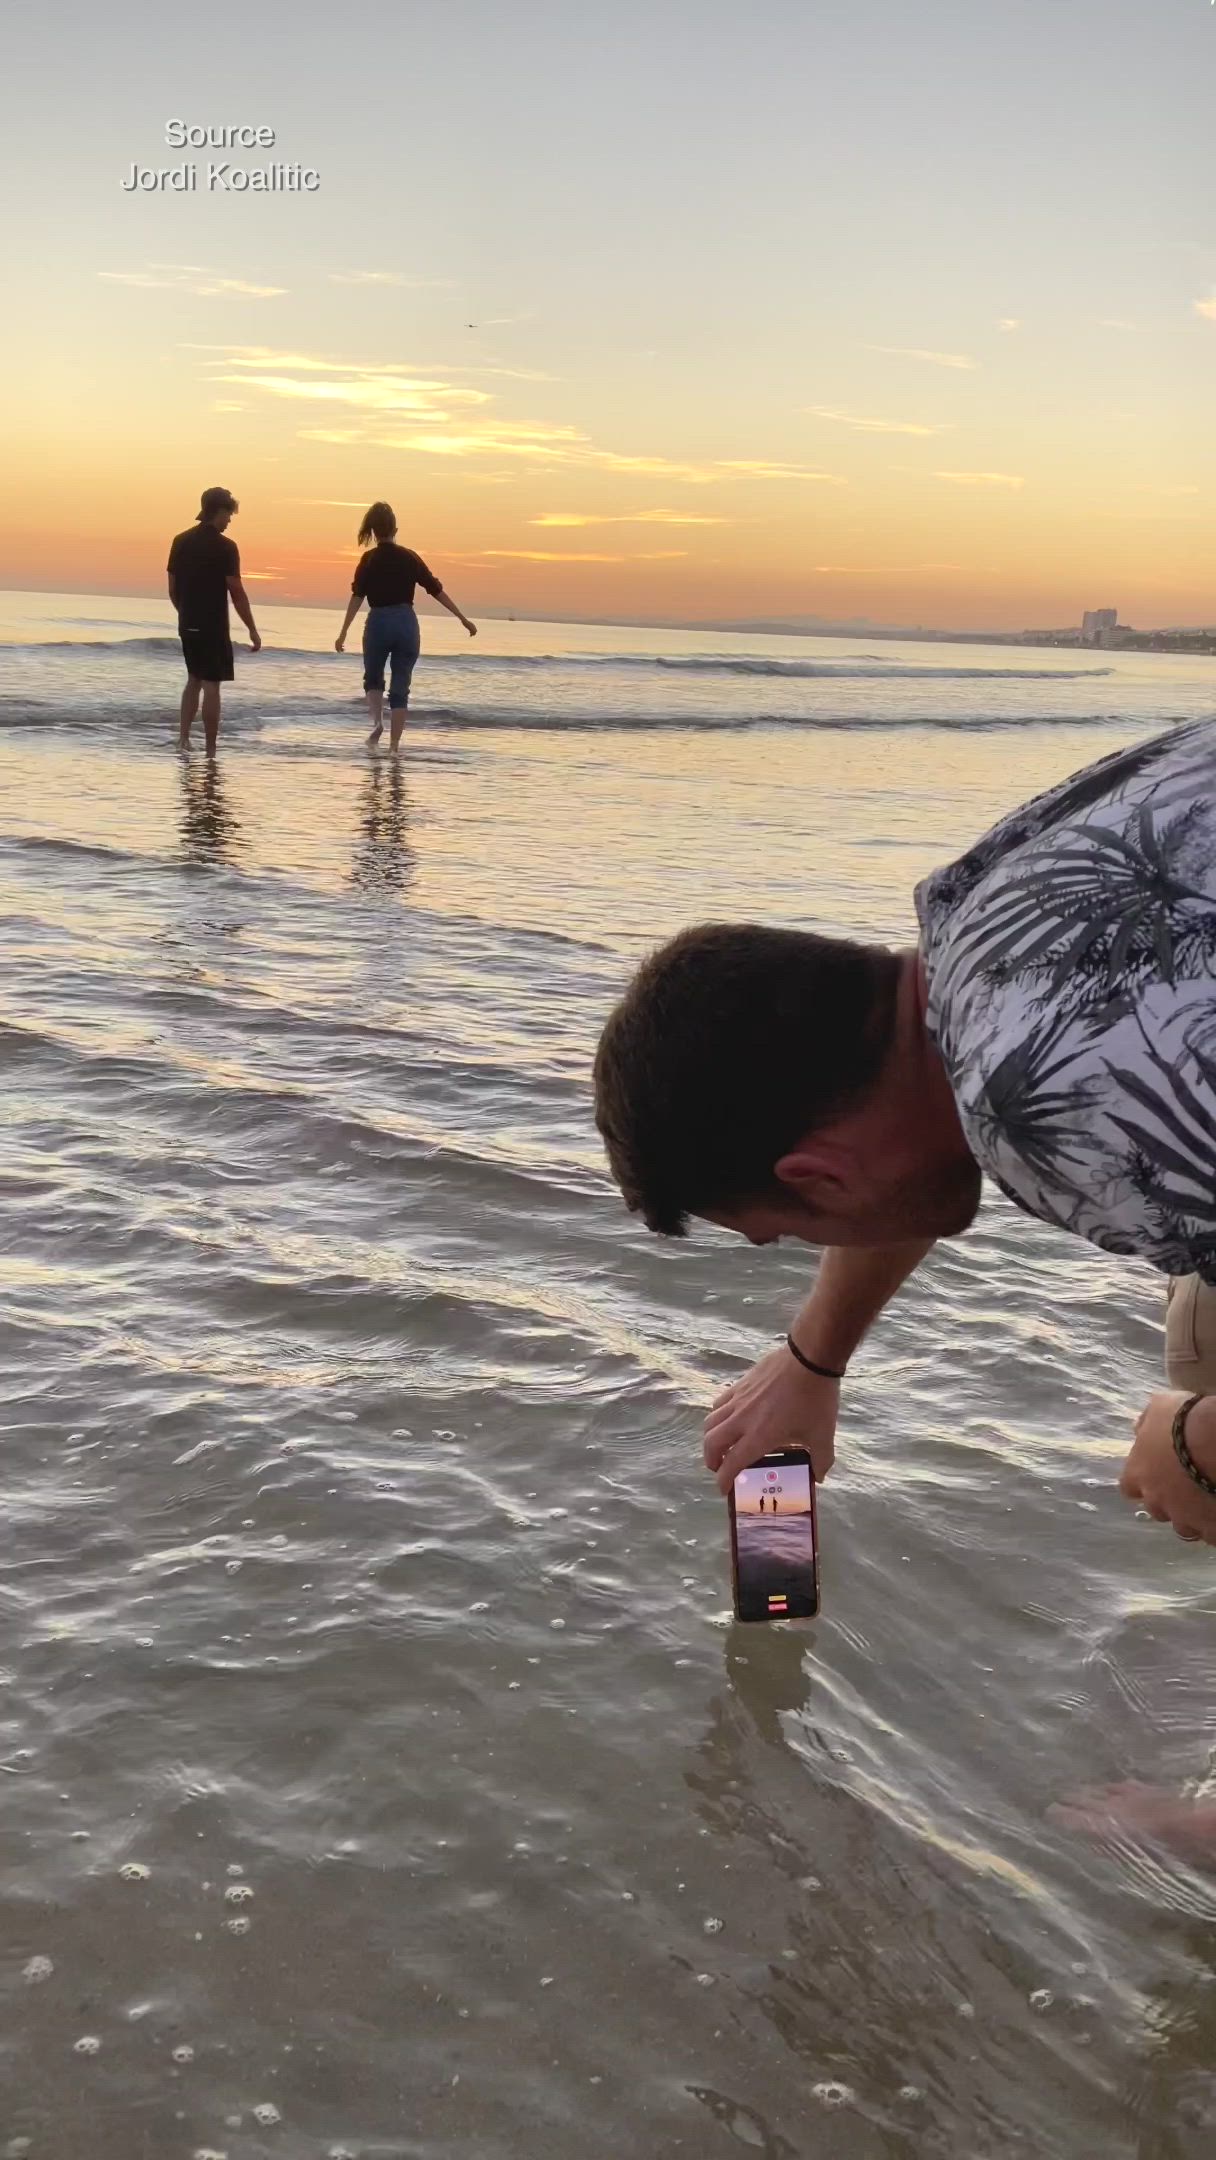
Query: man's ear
x,y
813,1170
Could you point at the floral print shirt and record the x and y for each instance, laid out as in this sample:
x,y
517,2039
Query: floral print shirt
x,y
1071,966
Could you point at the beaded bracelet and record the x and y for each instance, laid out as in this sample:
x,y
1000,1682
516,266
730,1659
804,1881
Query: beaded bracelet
x,y
1182,1451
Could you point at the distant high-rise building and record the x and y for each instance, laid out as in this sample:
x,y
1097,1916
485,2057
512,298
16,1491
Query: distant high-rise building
x,y
1097,625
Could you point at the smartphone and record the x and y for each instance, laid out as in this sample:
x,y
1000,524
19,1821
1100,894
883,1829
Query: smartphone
x,y
774,1548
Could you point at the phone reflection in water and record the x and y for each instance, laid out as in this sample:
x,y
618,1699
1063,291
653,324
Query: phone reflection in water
x,y
210,833
835,1988
767,1687
765,1817
766,1700
384,860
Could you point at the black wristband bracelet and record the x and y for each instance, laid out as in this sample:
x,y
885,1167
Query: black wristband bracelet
x,y
822,1372
1182,1451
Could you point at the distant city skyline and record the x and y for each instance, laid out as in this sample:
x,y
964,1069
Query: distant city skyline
x,y
666,314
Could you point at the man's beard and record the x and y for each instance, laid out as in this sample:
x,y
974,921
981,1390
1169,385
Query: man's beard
x,y
937,1202
942,1202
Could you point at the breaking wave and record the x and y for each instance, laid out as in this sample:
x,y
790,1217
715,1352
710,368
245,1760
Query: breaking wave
x,y
867,667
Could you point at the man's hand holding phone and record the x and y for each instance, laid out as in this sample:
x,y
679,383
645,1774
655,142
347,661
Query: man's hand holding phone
x,y
778,1404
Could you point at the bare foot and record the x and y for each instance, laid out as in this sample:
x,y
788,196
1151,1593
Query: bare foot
x,y
1168,1819
374,737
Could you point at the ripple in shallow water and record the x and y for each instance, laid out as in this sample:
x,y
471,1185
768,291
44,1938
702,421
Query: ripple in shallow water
x,y
343,1405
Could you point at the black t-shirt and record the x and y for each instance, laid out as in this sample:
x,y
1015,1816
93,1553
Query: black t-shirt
x,y
387,575
202,560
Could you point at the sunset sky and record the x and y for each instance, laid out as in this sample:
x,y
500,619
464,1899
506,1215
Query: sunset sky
x,y
818,307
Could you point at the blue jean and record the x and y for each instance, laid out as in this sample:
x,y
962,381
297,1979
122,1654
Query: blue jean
x,y
390,633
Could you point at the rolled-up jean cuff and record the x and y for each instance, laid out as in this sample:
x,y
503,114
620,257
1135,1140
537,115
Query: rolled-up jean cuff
x,y
390,634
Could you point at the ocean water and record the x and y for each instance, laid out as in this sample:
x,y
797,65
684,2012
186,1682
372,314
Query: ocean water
x,y
382,1773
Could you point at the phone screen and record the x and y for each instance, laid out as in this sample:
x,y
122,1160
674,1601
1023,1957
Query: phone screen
x,y
772,1508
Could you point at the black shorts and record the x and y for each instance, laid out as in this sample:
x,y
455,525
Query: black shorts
x,y
207,654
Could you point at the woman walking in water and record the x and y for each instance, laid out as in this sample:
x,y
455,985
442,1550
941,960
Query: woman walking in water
x,y
386,578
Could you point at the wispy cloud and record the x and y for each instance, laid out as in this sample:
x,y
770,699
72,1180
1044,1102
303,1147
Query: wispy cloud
x,y
551,555
872,427
934,359
768,469
189,277
398,407
835,569
659,468
266,356
509,374
390,277
228,405
1207,308
496,438
444,418
982,479
372,390
554,518
546,556
1009,322
1116,322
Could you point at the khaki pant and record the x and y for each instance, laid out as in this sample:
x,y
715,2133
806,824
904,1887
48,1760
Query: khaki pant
x,y
1190,1335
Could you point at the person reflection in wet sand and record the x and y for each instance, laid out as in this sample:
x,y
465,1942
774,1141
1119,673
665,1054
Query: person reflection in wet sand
x,y
210,833
384,861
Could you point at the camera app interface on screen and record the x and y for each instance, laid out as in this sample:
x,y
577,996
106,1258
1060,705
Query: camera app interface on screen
x,y
775,1542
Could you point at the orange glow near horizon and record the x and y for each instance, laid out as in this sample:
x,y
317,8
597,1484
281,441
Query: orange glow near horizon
x,y
934,358
524,513
941,562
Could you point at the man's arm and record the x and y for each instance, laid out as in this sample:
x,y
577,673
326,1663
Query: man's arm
x,y
240,601
779,1403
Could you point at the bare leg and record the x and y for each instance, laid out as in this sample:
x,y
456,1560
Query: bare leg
x,y
1185,1822
1167,1818
211,715
397,719
375,713
189,708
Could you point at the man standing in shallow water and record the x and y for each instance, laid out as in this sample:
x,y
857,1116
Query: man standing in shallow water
x,y
204,570
1056,1029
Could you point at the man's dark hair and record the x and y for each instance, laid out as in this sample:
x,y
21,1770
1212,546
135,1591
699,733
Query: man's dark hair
x,y
216,499
730,1044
